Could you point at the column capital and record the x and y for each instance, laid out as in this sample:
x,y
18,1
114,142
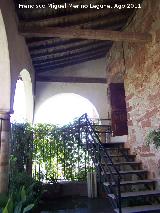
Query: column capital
x,y
5,114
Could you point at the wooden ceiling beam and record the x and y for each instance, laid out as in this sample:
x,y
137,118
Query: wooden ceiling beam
x,y
69,63
50,42
87,54
85,34
64,48
70,79
66,20
112,20
64,54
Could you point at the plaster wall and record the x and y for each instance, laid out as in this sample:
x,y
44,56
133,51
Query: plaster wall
x,y
18,52
140,71
4,65
94,68
95,93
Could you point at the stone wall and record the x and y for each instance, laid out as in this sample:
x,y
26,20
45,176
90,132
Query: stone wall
x,y
138,66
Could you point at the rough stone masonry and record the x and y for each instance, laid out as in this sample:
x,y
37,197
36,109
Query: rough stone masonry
x,y
138,66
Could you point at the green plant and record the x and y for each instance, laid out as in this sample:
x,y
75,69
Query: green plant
x,y
153,137
18,180
19,202
21,147
54,151
32,186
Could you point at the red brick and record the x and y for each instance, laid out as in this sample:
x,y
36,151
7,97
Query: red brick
x,y
145,148
147,155
146,123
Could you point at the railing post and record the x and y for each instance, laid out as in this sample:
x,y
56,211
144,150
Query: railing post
x,y
98,147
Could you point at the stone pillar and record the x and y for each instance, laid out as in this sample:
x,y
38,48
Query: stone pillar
x,y
4,151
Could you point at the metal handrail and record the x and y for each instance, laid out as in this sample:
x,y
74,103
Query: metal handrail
x,y
85,122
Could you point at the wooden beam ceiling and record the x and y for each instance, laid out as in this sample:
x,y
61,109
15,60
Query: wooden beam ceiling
x,y
57,38
47,42
47,63
73,52
71,62
107,20
67,20
85,34
70,79
36,14
64,48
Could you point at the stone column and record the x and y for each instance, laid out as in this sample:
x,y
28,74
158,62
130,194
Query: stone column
x,y
4,151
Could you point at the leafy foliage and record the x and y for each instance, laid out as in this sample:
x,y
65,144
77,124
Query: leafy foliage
x,y
19,202
24,194
153,138
21,146
54,151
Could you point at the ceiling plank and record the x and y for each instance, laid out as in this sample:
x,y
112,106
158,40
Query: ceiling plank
x,y
36,14
73,52
85,34
49,42
67,20
72,57
107,20
64,48
69,63
70,79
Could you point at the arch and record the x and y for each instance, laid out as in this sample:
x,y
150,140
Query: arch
x,y
26,78
23,98
5,79
64,108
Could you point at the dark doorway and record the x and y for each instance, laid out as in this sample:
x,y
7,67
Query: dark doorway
x,y
118,109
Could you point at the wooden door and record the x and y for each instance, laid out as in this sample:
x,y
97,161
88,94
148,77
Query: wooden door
x,y
118,109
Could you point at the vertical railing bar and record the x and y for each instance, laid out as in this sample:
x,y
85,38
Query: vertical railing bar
x,y
86,138
119,195
36,161
39,172
78,153
50,144
71,161
79,138
57,175
54,148
64,167
1,133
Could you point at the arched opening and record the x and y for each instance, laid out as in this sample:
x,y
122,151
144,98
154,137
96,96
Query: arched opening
x,y
64,108
5,80
23,99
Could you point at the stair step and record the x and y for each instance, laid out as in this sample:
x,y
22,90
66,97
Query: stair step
x,y
117,149
136,194
134,182
140,209
113,144
129,172
114,156
125,163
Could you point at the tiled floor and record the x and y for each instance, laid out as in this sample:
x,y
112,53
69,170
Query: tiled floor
x,y
77,205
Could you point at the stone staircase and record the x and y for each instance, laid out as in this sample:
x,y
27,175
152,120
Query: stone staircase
x,y
138,193
125,182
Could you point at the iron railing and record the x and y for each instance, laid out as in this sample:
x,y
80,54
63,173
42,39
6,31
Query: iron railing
x,y
71,162
107,171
